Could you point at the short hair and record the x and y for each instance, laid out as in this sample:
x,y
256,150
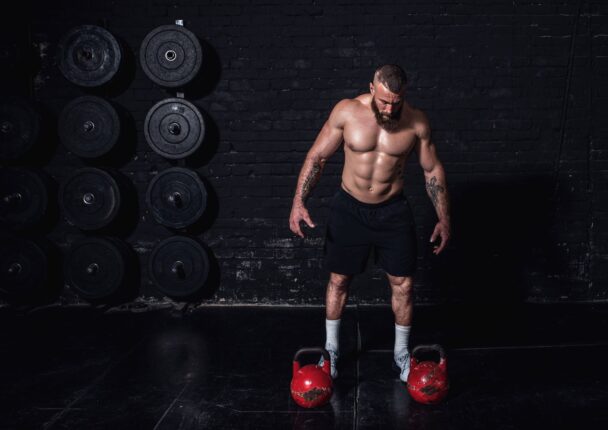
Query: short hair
x,y
392,76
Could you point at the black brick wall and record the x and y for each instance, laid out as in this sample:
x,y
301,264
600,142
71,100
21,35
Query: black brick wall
x,y
516,92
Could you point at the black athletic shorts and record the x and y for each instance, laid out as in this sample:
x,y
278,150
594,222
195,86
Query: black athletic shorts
x,y
354,227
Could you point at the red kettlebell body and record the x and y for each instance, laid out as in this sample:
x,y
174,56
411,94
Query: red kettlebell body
x,y
311,385
428,381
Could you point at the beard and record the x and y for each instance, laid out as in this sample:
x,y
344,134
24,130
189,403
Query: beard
x,y
386,121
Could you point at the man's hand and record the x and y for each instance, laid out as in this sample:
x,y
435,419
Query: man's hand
x,y
442,229
299,213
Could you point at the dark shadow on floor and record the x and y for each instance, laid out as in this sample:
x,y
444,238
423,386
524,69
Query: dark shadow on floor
x,y
230,367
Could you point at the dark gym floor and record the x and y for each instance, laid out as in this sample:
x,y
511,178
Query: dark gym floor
x,y
529,366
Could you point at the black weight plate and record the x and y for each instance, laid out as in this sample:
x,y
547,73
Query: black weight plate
x,y
23,267
171,55
179,266
174,128
176,197
95,267
19,127
24,195
90,198
89,56
89,126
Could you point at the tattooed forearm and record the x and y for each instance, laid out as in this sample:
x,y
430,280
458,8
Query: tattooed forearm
x,y
433,188
311,180
437,191
309,177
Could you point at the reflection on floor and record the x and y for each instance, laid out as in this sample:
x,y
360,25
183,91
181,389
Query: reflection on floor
x,y
230,367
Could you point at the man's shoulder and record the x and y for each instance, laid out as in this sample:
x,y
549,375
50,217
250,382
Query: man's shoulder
x,y
352,104
345,110
420,123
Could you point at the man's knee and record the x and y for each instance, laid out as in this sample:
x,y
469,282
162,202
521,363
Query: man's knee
x,y
401,285
339,281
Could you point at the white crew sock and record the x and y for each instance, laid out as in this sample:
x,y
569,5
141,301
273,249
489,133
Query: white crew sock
x,y
402,334
332,329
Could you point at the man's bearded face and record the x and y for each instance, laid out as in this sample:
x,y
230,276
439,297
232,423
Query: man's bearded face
x,y
387,107
386,120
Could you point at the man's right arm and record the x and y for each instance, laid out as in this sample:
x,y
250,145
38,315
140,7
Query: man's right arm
x,y
326,144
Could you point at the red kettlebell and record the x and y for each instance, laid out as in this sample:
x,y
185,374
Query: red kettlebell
x,y
428,381
311,385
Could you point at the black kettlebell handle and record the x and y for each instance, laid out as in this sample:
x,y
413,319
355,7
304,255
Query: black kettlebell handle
x,y
433,347
314,350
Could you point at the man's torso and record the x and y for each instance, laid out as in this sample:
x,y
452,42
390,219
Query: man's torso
x,y
374,159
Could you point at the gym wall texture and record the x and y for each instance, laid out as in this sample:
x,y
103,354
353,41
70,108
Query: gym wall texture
x,y
516,92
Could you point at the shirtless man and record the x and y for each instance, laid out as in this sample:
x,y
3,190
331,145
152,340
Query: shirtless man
x,y
379,131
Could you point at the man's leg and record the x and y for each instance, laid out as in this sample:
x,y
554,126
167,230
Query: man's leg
x,y
401,298
402,304
336,295
335,300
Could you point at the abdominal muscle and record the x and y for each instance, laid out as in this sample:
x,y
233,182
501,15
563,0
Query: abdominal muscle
x,y
372,177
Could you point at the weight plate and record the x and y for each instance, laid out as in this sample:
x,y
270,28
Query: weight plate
x,y
95,267
23,267
89,56
24,195
171,55
90,198
19,127
176,197
89,126
179,266
174,128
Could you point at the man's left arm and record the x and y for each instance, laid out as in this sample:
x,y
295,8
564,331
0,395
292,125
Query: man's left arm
x,y
435,183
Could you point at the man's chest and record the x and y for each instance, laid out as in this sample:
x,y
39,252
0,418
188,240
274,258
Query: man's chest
x,y
367,136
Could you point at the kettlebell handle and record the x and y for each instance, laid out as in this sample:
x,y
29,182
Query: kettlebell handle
x,y
433,347
314,350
